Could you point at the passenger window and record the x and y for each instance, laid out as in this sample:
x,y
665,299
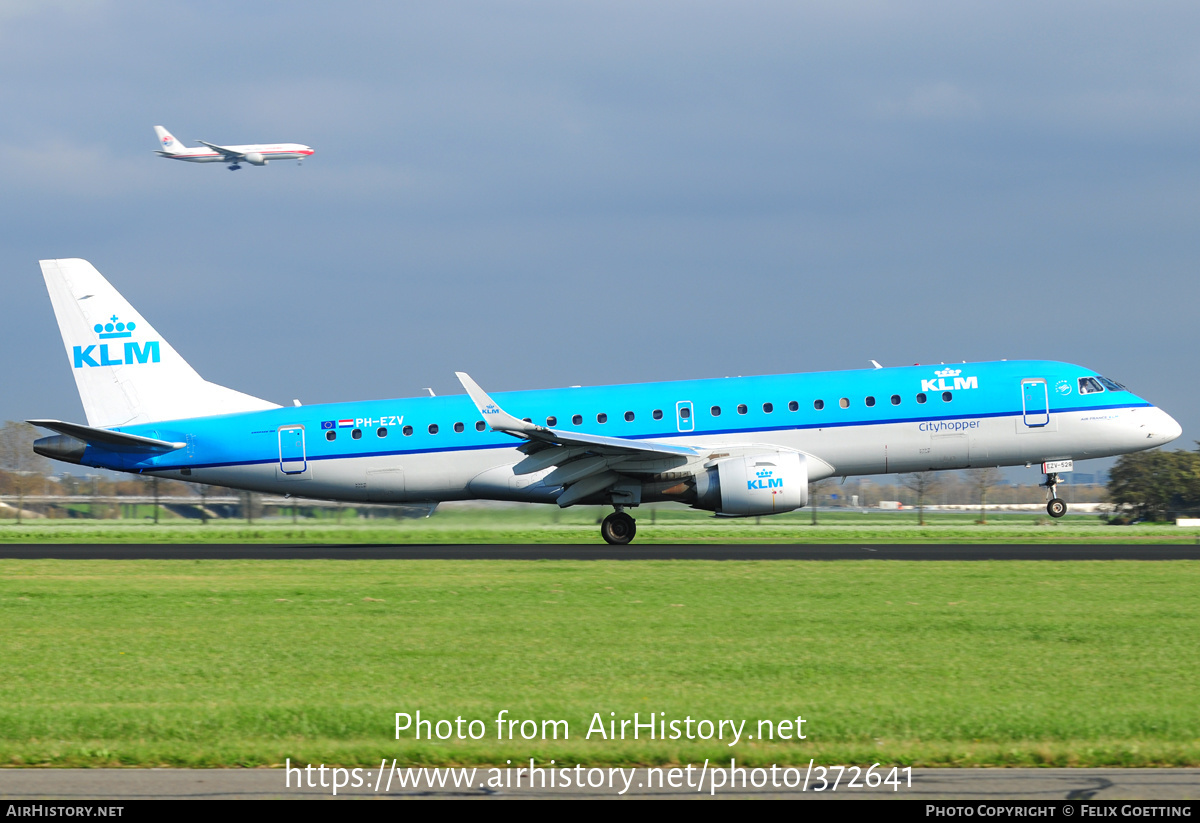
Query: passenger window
x,y
628,417
818,404
895,400
458,427
527,420
685,412
407,431
433,428
844,402
715,411
480,425
768,407
793,406
552,421
742,408
602,418
870,402
577,419
947,397
658,414
1089,385
921,397
331,435
356,434
381,432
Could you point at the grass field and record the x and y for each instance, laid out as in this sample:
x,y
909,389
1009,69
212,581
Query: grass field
x,y
206,663
544,524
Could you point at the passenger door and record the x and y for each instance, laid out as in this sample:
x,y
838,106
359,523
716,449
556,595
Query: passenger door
x,y
293,462
1035,402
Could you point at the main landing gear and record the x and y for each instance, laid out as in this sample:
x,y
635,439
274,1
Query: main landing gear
x,y
618,528
1056,507
234,167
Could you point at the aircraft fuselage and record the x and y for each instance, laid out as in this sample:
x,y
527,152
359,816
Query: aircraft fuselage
x,y
879,421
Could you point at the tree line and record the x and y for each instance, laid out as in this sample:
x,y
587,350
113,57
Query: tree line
x,y
1156,485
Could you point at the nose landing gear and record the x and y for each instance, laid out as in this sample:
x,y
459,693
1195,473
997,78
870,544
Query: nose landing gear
x,y
1055,507
618,528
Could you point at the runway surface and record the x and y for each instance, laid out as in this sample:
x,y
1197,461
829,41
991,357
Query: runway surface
x,y
851,551
974,786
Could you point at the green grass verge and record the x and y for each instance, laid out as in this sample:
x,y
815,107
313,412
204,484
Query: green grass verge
x,y
543,524
220,663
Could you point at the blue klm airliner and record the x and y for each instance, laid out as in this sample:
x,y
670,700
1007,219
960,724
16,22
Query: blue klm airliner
x,y
738,447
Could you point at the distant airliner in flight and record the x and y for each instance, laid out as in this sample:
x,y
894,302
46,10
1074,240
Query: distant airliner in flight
x,y
734,446
258,154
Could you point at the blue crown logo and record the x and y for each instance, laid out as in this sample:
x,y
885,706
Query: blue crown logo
x,y
114,329
765,473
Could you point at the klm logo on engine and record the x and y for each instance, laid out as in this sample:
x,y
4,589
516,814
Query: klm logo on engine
x,y
957,383
765,480
130,352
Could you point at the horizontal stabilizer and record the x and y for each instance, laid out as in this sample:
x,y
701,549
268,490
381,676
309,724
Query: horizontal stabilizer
x,y
109,439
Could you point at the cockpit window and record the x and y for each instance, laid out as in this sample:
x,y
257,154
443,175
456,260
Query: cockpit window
x,y
1111,385
1089,385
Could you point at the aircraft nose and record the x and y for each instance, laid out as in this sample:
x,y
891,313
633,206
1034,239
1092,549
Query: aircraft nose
x,y
1164,428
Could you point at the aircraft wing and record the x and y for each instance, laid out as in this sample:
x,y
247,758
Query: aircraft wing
x,y
228,154
109,439
586,463
501,421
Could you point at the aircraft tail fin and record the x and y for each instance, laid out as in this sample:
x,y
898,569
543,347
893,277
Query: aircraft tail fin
x,y
125,372
167,142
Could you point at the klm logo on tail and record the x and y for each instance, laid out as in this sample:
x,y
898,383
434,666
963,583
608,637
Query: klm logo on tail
x,y
133,353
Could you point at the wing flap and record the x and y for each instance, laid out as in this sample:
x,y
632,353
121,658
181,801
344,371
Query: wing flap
x,y
548,456
586,487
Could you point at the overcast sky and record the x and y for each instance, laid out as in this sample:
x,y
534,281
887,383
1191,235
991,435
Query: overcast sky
x,y
546,194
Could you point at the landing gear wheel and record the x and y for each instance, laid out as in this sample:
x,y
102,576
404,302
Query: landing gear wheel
x,y
1056,508
618,529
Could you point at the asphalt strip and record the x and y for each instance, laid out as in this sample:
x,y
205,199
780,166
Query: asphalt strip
x,y
850,551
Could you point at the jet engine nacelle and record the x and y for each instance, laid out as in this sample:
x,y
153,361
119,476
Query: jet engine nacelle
x,y
755,484
255,158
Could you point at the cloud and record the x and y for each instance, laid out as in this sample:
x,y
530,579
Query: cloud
x,y
80,170
934,101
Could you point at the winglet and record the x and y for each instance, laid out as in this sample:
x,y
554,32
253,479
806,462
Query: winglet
x,y
498,419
